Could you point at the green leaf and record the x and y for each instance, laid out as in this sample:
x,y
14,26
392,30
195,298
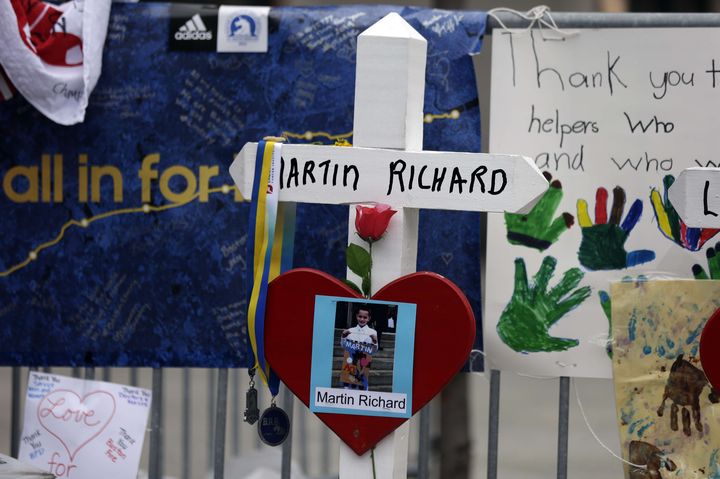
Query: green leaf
x,y
366,285
358,260
352,285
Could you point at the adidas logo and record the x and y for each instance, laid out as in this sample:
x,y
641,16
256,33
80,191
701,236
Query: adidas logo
x,y
194,29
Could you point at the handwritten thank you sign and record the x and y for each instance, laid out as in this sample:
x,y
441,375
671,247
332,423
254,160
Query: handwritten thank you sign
x,y
83,429
614,118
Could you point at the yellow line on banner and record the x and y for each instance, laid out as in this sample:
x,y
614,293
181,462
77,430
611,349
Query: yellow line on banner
x,y
84,223
310,135
452,115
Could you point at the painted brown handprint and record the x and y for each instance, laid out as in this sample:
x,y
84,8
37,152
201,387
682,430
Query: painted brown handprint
x,y
645,454
684,386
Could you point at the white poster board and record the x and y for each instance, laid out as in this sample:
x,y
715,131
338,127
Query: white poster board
x,y
602,108
83,429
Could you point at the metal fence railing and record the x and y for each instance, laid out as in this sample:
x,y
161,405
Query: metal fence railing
x,y
195,425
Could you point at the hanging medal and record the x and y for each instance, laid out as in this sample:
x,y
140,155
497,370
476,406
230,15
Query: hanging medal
x,y
274,425
270,246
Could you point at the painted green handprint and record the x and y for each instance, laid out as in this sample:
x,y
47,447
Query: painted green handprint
x,y
538,229
532,310
713,262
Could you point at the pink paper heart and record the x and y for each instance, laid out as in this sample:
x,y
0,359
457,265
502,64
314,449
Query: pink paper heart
x,y
73,420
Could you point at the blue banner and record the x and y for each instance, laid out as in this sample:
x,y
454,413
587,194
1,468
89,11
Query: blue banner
x,y
124,240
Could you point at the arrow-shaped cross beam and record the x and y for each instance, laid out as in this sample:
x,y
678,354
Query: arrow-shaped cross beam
x,y
403,179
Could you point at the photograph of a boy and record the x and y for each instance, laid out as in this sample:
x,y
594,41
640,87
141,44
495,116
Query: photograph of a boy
x,y
356,368
359,341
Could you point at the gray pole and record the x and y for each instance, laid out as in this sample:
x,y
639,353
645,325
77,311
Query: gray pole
x,y
15,413
288,401
211,419
303,433
155,469
236,412
424,443
563,421
220,422
493,424
186,429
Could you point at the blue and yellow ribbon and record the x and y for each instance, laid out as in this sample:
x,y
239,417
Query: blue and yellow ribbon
x,y
270,245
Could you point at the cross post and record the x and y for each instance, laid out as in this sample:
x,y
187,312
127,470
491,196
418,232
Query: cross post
x,y
387,164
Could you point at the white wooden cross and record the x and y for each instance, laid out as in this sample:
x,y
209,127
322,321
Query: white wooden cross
x,y
387,165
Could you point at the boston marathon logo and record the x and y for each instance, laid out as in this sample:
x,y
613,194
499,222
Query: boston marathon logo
x,y
243,28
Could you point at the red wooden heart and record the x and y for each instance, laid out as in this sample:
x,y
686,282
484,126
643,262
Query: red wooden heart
x,y
444,334
710,350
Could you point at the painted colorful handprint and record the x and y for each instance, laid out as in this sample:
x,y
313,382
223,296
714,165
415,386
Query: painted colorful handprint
x,y
603,242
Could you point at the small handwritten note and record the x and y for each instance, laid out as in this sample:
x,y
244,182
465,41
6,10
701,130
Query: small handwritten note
x,y
80,429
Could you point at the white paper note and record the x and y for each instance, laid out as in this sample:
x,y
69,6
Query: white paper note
x,y
80,429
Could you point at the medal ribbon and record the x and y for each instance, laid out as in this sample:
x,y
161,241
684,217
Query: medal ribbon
x,y
270,245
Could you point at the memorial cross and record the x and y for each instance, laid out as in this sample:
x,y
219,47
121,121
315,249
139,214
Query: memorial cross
x,y
386,164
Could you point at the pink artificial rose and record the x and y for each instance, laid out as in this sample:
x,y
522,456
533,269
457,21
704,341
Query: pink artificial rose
x,y
371,222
